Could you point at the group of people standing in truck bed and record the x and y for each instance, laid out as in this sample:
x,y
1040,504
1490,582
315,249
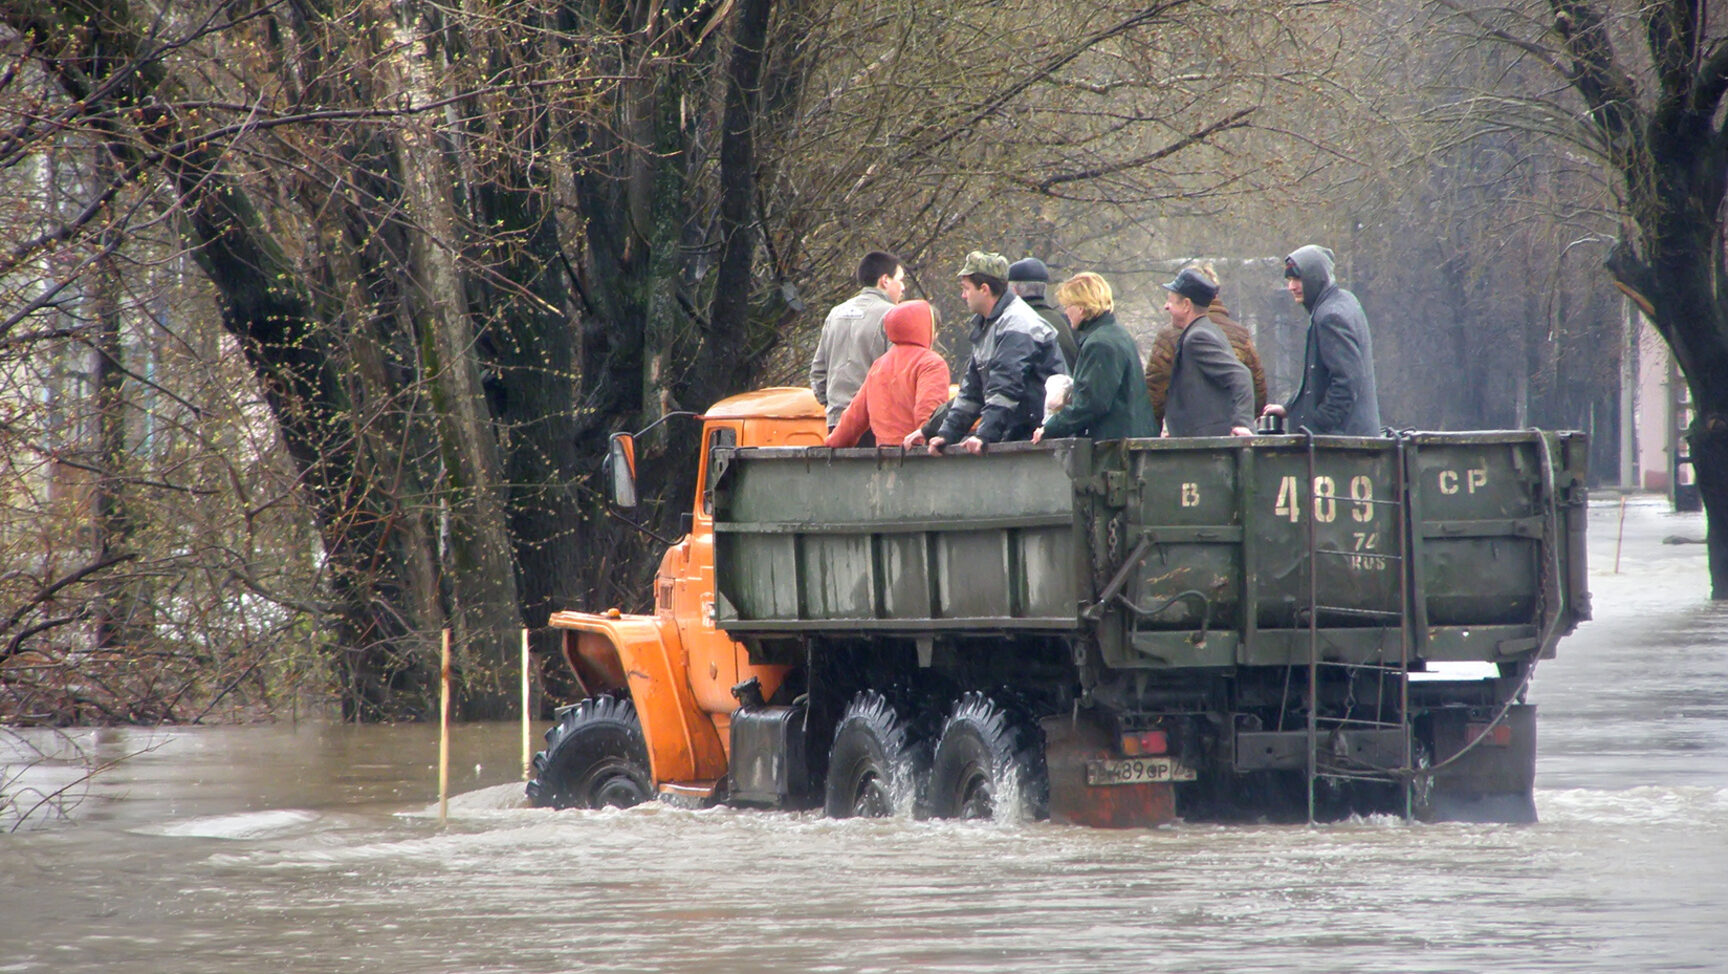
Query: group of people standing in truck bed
x,y
1040,371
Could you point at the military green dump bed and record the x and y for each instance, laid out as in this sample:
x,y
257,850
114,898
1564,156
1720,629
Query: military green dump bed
x,y
1167,553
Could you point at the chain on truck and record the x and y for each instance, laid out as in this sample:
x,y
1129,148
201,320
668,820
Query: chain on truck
x,y
1107,633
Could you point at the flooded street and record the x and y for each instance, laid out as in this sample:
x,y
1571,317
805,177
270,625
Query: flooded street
x,y
317,848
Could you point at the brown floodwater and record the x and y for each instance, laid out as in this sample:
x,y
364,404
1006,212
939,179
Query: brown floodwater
x,y
317,848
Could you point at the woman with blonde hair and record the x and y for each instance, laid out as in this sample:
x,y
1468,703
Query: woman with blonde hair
x,y
1109,400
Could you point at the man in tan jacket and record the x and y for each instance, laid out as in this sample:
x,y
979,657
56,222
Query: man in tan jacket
x,y
852,337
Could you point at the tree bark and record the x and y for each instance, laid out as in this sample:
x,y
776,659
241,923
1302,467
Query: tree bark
x,y
1708,440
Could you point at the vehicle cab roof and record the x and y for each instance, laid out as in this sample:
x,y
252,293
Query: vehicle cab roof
x,y
779,402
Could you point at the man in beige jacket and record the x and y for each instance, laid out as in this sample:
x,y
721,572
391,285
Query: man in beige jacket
x,y
852,337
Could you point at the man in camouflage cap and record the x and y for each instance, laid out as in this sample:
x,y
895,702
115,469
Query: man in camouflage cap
x,y
1013,352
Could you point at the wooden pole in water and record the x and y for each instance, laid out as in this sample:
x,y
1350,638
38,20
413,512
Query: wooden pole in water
x,y
1620,535
527,756
444,731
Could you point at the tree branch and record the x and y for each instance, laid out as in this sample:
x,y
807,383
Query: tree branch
x,y
48,591
1608,90
1234,120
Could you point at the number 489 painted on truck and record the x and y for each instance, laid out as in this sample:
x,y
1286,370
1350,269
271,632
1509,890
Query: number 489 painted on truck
x,y
1325,499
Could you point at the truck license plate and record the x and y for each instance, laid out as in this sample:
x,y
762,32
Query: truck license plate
x,y
1134,771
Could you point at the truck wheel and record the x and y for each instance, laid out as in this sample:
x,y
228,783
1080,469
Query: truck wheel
x,y
874,766
986,759
595,757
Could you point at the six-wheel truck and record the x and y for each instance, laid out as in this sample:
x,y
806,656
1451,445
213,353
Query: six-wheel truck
x,y
1278,627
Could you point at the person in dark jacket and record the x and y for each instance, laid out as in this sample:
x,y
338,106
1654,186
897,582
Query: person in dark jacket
x,y
1164,351
1029,278
1108,401
1013,352
1337,395
1211,392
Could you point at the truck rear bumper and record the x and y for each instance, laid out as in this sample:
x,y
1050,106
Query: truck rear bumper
x,y
1288,750
1070,742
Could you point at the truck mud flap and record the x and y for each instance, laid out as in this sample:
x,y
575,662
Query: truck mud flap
x,y
1491,782
1070,741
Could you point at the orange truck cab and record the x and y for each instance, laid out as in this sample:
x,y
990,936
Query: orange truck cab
x,y
678,668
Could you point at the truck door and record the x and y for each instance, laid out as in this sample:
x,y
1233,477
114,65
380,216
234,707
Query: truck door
x,y
713,655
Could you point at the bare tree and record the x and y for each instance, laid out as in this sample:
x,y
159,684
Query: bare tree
x,y
1643,90
452,249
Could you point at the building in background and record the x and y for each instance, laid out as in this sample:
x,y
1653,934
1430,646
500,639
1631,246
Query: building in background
x,y
1654,451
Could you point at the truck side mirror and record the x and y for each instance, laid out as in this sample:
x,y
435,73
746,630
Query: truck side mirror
x,y
620,470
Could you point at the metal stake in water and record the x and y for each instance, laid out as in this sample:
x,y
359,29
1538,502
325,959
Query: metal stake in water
x,y
527,755
444,731
1620,534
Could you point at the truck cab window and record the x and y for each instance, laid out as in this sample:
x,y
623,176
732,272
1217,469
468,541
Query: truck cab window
x,y
719,437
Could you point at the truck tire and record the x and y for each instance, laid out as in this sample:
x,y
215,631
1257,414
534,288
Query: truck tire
x,y
875,767
595,757
988,760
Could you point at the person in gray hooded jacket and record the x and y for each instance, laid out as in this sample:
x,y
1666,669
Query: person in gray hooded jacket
x,y
1337,395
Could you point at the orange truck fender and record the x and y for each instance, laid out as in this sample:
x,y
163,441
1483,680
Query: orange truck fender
x,y
644,653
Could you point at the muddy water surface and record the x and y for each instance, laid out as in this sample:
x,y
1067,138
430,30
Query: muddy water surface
x,y
317,848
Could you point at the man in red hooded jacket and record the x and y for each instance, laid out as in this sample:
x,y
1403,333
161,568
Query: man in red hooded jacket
x,y
904,386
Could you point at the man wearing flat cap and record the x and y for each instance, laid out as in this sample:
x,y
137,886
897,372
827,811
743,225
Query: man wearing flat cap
x,y
1029,278
1211,391
1013,352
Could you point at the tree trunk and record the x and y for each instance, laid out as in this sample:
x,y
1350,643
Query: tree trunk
x,y
723,362
533,355
1708,439
480,577
108,523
